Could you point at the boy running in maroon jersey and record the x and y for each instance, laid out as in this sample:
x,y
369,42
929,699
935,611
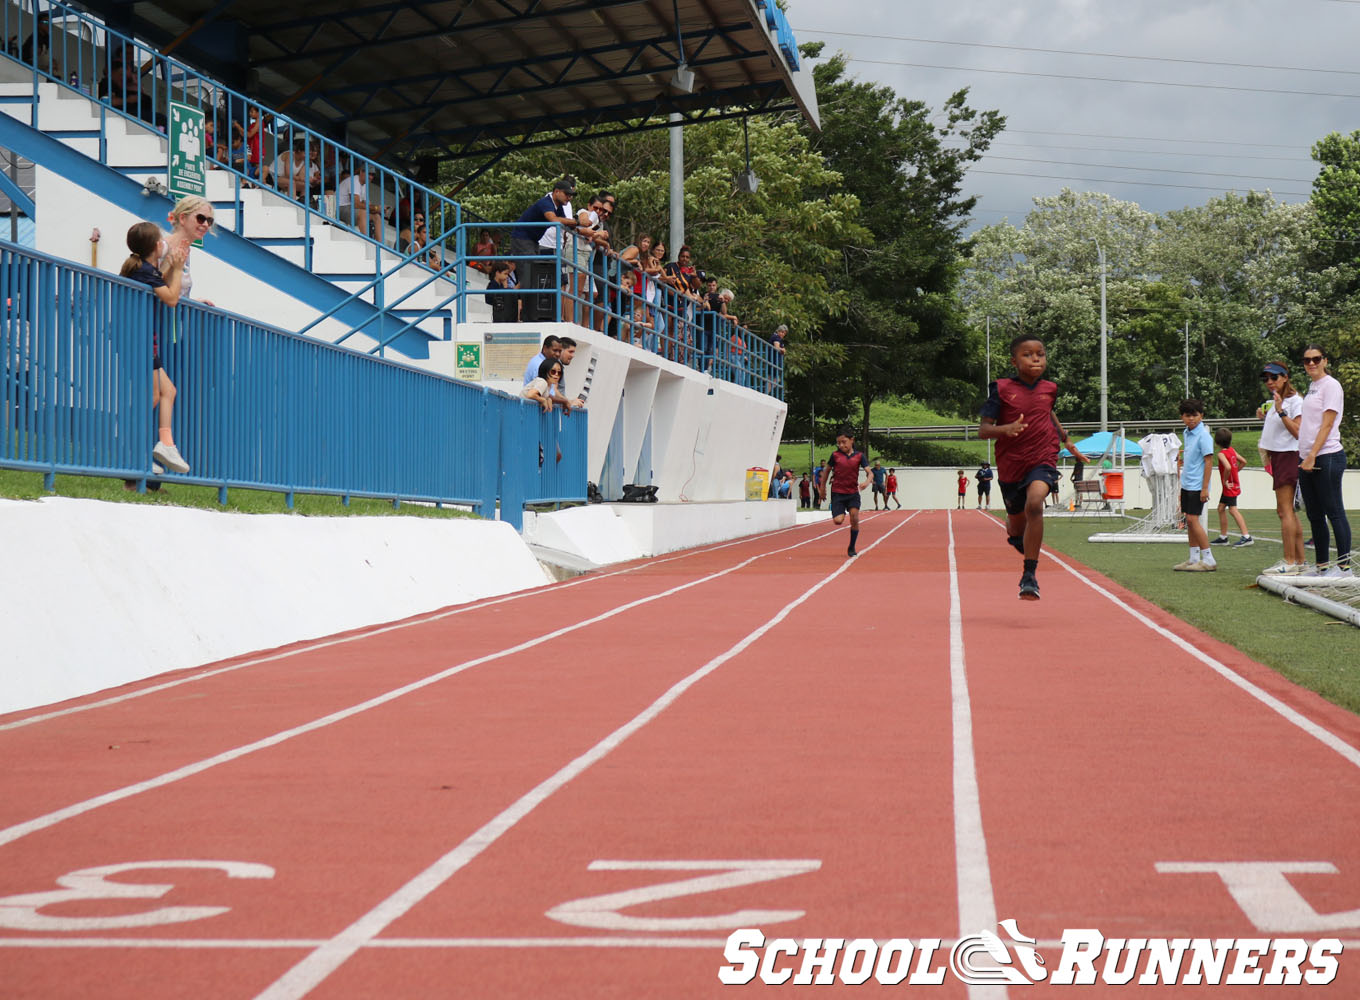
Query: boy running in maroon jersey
x,y
1019,416
842,468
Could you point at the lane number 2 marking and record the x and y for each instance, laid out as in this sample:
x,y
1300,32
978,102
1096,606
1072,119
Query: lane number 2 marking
x,y
603,912
89,884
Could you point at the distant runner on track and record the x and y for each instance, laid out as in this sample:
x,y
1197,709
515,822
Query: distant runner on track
x,y
842,469
1019,416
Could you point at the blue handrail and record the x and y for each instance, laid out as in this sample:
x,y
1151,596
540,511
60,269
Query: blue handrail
x,y
258,407
86,54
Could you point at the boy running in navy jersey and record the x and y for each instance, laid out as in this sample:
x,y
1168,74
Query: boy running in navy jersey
x,y
1019,416
842,468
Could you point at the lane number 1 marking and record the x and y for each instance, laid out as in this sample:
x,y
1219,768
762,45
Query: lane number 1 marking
x,y
602,912
88,884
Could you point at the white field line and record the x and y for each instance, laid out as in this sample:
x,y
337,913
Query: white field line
x,y
642,941
378,630
977,902
316,967
1325,736
13,833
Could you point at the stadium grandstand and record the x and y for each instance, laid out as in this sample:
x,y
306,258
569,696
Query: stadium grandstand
x,y
314,135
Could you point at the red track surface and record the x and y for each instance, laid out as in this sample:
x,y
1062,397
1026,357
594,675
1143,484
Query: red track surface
x,y
762,701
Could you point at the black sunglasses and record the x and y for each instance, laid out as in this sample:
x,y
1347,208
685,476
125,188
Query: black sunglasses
x,y
1312,359
1270,378
204,220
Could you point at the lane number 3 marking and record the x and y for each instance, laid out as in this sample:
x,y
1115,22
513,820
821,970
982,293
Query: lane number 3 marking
x,y
602,912
90,884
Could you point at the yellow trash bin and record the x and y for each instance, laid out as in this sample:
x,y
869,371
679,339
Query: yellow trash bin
x,y
757,483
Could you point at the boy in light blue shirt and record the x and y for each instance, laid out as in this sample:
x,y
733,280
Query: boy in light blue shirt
x,y
1196,468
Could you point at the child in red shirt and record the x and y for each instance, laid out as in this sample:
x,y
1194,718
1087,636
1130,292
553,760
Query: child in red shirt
x,y
963,490
1229,462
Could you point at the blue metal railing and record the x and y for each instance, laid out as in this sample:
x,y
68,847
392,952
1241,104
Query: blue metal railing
x,y
253,144
85,54
257,407
615,297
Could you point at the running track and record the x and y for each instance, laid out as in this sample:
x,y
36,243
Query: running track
x,y
892,746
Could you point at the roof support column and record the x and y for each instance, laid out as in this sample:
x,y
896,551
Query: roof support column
x,y
677,185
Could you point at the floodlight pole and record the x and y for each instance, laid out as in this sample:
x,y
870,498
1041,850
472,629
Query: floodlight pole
x,y
1187,359
677,184
1104,333
988,385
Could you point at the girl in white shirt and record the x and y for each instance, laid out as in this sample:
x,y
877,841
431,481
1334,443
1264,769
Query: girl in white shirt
x,y
1280,453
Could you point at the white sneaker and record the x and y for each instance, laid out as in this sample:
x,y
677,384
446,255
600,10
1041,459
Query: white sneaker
x,y
157,469
1280,567
1337,573
168,455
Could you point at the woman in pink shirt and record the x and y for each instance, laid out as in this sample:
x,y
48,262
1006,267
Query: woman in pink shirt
x,y
1322,463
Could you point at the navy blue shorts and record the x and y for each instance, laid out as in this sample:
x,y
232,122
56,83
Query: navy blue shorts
x,y
842,503
1013,495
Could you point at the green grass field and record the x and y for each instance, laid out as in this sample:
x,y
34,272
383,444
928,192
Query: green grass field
x,y
1309,648
29,486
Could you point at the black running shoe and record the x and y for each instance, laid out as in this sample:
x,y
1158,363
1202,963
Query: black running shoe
x,y
1016,542
1029,587
851,551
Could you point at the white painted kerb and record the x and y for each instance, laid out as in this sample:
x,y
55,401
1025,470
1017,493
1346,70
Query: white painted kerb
x,y
99,594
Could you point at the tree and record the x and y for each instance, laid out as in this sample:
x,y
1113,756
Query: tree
x,y
774,247
903,330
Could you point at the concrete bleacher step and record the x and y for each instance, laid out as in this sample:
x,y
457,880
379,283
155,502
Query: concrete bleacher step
x,y
140,152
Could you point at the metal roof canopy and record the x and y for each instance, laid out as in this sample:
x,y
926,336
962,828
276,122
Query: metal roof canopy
x,y
450,79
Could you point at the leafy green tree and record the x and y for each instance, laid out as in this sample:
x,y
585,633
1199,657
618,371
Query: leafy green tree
x,y
903,330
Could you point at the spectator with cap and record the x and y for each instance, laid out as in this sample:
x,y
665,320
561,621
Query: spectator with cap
x,y
538,224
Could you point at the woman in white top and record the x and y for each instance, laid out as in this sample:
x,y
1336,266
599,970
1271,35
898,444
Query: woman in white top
x,y
1280,455
1322,462
190,220
546,388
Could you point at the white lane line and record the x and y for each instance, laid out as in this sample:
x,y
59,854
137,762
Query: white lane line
x,y
382,630
279,944
13,833
1324,736
977,902
316,967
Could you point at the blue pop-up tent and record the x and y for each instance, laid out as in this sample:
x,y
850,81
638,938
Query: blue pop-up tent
x,y
1099,443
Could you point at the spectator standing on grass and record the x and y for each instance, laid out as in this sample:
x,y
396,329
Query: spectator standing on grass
x,y
1280,455
880,488
1197,463
144,240
1322,463
984,478
1230,463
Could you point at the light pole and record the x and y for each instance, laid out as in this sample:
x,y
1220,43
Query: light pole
x,y
988,384
1104,385
1187,359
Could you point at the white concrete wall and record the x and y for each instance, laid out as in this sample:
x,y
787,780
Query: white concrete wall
x,y
101,594
936,489
705,432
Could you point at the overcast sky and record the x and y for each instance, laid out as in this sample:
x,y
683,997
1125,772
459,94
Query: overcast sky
x,y
1244,126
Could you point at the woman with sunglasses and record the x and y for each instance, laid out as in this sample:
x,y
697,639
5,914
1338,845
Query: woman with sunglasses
x,y
547,388
190,220
1322,462
1280,455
